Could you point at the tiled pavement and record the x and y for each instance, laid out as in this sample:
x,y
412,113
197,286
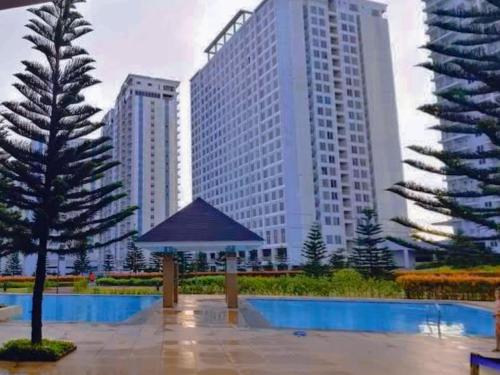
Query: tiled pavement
x,y
203,339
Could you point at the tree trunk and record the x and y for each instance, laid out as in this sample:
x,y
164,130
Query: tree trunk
x,y
36,312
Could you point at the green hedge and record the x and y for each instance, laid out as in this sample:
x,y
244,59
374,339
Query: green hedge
x,y
345,283
109,281
23,351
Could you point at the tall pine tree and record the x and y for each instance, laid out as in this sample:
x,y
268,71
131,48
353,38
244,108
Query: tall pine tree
x,y
50,165
13,265
109,262
201,262
315,253
463,253
81,264
465,110
369,256
134,260
339,260
156,262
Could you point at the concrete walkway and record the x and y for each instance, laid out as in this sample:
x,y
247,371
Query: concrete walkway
x,y
203,338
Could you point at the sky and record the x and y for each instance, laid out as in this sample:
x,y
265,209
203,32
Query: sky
x,y
166,38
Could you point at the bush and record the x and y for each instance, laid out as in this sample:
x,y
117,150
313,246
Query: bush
x,y
23,351
483,271
80,286
109,281
20,279
449,286
344,283
124,291
203,285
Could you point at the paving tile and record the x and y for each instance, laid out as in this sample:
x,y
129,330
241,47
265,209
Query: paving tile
x,y
203,340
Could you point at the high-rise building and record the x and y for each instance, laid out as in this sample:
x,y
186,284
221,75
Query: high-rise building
x,y
461,142
294,120
143,128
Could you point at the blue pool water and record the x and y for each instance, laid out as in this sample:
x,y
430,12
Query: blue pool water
x,y
426,318
95,309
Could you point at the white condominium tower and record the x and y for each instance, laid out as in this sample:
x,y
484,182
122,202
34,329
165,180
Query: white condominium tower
x,y
294,121
460,142
143,127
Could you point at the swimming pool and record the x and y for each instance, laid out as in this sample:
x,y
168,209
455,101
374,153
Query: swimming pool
x,y
82,308
446,319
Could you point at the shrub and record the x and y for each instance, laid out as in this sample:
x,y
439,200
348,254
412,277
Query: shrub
x,y
483,271
80,286
452,286
109,281
23,351
203,285
156,275
344,283
29,279
124,291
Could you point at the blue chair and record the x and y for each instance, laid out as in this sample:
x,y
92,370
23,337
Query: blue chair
x,y
477,361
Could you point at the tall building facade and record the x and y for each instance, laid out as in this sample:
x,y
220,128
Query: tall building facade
x,y
143,127
461,142
294,121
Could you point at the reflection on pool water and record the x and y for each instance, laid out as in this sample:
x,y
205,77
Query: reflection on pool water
x,y
446,319
82,308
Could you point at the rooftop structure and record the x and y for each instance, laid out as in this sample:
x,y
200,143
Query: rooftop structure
x,y
228,31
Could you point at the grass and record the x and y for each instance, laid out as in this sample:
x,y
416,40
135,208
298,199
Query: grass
x,y
22,350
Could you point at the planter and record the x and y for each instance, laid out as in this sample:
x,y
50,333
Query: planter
x,y
7,313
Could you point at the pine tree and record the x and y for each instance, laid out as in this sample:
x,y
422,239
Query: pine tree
x,y
338,260
468,109
315,253
220,261
201,263
51,166
13,265
134,260
156,262
185,261
81,265
370,257
109,262
463,253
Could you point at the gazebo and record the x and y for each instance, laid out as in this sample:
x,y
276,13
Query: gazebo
x,y
199,227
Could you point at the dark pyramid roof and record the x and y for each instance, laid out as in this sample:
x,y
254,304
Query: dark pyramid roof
x,y
199,222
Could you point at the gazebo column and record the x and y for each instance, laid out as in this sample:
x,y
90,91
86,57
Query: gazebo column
x,y
176,282
168,281
231,278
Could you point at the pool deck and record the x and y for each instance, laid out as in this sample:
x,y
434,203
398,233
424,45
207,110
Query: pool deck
x,y
202,337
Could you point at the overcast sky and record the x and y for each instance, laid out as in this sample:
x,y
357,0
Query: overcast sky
x,y
166,38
